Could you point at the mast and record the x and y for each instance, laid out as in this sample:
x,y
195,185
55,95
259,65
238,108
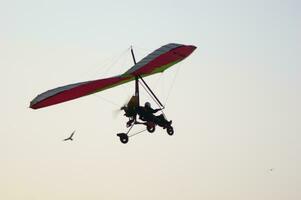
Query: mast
x,y
136,78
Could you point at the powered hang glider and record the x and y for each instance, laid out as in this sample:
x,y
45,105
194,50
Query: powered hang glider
x,y
157,61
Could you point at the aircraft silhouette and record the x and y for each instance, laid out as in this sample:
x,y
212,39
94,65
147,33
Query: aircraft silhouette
x,y
70,137
156,62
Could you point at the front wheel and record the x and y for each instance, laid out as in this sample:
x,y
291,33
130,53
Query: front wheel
x,y
124,138
170,130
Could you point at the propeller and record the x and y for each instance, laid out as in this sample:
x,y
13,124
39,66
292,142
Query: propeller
x,y
117,111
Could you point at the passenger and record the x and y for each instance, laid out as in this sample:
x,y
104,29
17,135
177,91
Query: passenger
x,y
147,114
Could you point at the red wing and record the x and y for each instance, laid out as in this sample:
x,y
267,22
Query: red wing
x,y
161,59
155,62
73,91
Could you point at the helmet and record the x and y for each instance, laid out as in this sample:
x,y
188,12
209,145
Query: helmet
x,y
147,105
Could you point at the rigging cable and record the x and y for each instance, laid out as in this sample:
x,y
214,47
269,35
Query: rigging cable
x,y
107,69
107,100
173,83
106,65
115,61
137,133
152,98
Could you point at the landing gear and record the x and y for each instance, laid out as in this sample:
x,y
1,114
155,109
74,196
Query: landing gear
x,y
124,138
129,123
170,130
151,127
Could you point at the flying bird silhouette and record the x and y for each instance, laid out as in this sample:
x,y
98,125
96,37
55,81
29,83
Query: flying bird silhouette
x,y
70,137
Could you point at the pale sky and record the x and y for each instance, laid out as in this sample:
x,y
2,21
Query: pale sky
x,y
235,102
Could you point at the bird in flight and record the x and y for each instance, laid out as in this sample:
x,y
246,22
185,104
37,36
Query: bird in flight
x,y
70,137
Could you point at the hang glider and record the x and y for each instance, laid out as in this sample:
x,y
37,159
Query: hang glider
x,y
157,61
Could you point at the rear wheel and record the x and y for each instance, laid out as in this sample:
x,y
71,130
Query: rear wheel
x,y
170,130
150,128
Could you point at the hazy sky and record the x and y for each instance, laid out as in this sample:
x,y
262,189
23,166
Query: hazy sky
x,y
235,104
